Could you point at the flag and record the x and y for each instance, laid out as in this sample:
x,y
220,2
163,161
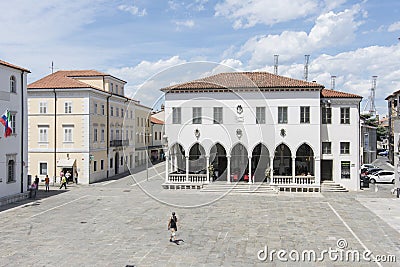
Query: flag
x,y
5,119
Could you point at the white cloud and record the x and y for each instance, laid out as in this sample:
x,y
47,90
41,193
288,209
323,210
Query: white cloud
x,y
394,27
245,14
330,29
134,10
184,23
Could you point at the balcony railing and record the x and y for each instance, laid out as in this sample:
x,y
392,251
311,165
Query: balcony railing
x,y
117,143
287,180
192,178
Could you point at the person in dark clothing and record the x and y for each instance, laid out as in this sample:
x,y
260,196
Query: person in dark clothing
x,y
37,182
173,227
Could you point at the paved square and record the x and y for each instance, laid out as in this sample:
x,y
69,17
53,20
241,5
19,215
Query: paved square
x,y
119,223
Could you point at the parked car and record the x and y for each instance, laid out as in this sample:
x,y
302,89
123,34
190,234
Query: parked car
x,y
372,170
383,153
382,177
368,166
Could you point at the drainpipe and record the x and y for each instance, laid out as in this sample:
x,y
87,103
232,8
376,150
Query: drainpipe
x,y
108,131
55,135
22,132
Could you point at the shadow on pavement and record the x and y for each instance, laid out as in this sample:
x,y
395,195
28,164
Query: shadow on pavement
x,y
41,194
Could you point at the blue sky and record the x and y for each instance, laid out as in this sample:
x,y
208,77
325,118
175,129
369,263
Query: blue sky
x,y
135,40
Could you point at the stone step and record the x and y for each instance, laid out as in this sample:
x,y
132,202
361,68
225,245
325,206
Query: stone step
x,y
330,186
238,188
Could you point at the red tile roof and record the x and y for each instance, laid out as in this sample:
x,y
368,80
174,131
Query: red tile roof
x,y
65,79
336,94
60,79
237,80
156,121
13,66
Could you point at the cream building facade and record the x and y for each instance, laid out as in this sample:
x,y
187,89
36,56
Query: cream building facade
x,y
13,152
81,122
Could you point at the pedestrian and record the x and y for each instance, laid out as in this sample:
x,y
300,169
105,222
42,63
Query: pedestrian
x,y
32,190
173,227
47,183
37,182
76,177
61,175
68,176
63,182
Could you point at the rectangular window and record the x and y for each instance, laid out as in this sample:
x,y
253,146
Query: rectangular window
x,y
304,114
95,108
196,115
112,87
102,135
282,115
345,115
344,147
260,115
116,89
112,111
95,135
43,168
11,160
122,161
345,169
102,109
117,112
326,115
68,134
122,112
12,123
43,134
111,163
102,165
112,135
116,134
326,148
94,165
132,135
43,107
68,107
176,115
218,118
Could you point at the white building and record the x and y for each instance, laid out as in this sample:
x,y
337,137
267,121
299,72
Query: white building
x,y
13,152
246,123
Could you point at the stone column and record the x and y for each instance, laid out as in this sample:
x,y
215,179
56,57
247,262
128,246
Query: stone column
x,y
187,169
207,169
166,168
250,180
228,168
293,168
271,166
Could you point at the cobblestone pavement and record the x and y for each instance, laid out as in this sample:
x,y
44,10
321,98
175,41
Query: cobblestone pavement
x,y
124,222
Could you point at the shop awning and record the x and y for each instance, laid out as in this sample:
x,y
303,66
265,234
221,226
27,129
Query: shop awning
x,y
66,163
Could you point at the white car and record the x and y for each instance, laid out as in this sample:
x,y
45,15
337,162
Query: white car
x,y
381,176
368,166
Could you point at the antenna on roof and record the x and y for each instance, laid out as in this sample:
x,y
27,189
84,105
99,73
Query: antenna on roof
x,y
372,108
333,82
306,61
276,64
52,67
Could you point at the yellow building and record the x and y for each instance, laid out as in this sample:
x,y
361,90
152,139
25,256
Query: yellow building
x,y
82,122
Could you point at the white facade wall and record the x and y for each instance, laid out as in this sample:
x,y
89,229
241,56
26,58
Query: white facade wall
x,y
269,134
11,145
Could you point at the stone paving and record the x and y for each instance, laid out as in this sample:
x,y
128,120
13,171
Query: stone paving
x,y
124,222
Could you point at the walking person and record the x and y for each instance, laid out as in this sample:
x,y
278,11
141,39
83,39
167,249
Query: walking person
x,y
68,176
63,182
47,183
76,177
173,227
37,182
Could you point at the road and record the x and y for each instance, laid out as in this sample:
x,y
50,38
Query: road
x,y
124,222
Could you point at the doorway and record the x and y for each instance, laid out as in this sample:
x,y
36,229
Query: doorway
x,y
116,162
326,170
